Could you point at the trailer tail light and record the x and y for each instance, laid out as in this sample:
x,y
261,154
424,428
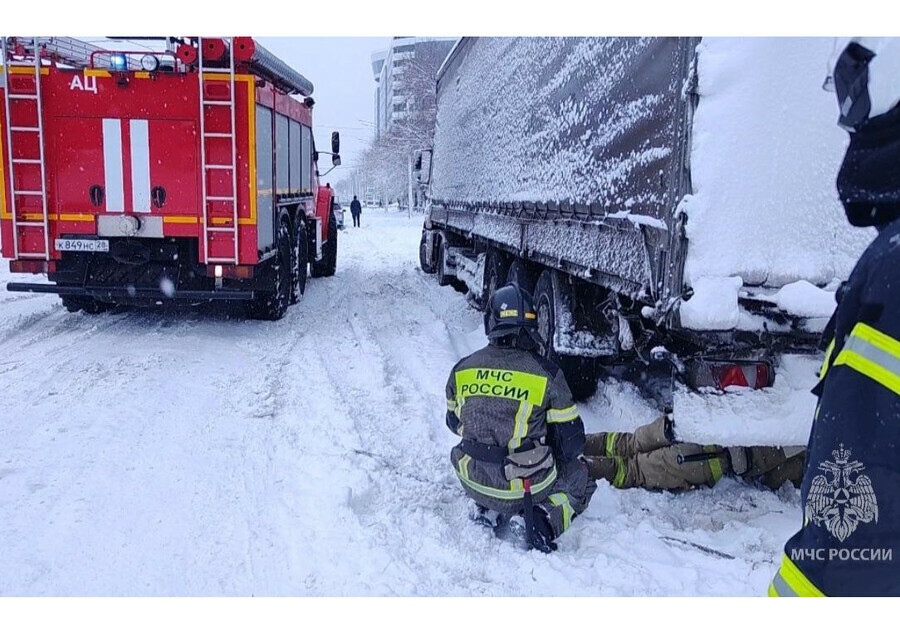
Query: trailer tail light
x,y
219,271
32,267
721,374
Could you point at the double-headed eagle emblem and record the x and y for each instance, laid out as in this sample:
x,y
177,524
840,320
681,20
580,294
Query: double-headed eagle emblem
x,y
841,498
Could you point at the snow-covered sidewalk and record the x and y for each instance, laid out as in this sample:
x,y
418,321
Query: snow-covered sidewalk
x,y
190,453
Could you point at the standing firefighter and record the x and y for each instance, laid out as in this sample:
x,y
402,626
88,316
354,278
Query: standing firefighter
x,y
849,543
521,433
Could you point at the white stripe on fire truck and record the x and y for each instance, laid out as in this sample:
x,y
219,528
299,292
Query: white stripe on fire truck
x,y
112,165
140,166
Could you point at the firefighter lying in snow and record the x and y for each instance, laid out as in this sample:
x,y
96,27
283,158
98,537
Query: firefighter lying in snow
x,y
521,433
651,458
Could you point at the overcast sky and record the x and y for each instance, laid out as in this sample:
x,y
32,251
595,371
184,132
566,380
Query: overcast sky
x,y
341,71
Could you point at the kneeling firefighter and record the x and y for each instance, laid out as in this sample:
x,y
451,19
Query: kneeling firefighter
x,y
521,433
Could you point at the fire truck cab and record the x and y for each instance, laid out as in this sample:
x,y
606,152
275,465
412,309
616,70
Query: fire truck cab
x,y
183,174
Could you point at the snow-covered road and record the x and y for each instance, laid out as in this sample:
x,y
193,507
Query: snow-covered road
x,y
189,453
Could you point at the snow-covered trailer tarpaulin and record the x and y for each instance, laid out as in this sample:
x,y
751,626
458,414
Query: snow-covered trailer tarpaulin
x,y
693,178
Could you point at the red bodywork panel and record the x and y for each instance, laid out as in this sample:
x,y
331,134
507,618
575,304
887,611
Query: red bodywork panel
x,y
135,136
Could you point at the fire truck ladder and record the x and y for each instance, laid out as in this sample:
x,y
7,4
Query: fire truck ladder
x,y
15,158
206,105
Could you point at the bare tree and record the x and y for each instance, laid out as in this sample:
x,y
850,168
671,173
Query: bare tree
x,y
385,163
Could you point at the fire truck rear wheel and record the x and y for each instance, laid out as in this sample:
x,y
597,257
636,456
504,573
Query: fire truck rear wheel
x,y
299,262
272,304
84,304
328,265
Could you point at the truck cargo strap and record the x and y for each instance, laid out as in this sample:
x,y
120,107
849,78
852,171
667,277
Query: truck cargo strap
x,y
123,292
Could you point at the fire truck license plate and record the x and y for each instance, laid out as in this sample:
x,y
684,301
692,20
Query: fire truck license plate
x,y
83,245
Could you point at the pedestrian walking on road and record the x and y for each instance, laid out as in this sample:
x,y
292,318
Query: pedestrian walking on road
x,y
355,211
522,438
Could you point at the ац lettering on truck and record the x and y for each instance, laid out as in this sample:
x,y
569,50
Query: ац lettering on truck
x,y
670,203
184,174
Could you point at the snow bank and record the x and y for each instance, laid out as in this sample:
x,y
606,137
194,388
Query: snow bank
x,y
766,150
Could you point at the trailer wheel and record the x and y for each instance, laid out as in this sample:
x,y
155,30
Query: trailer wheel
x,y
327,266
442,277
84,304
581,373
523,276
272,304
299,262
496,269
425,256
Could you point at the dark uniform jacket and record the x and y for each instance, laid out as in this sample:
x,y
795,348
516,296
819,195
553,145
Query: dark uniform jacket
x,y
849,543
510,398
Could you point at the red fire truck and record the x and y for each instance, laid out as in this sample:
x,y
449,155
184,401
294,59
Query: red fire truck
x,y
183,174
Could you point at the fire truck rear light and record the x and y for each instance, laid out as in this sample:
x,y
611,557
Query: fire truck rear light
x,y
32,267
230,272
721,375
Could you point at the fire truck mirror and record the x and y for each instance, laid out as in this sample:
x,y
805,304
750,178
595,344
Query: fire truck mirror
x,y
158,196
336,143
96,194
336,160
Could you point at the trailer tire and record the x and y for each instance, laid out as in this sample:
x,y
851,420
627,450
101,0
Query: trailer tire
x,y
299,262
425,256
581,373
496,270
327,266
442,277
522,275
272,304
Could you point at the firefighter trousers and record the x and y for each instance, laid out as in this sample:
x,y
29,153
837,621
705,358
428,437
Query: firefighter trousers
x,y
646,458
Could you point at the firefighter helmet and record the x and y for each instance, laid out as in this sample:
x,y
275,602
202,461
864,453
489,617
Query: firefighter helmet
x,y
865,80
510,311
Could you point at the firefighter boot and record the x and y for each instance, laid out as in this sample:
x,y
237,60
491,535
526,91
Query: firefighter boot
x,y
541,537
647,438
659,434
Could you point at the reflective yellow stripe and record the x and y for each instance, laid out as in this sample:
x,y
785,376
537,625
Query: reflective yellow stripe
x,y
828,351
611,443
619,479
515,385
562,500
516,489
874,354
562,415
451,405
520,430
715,465
790,581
